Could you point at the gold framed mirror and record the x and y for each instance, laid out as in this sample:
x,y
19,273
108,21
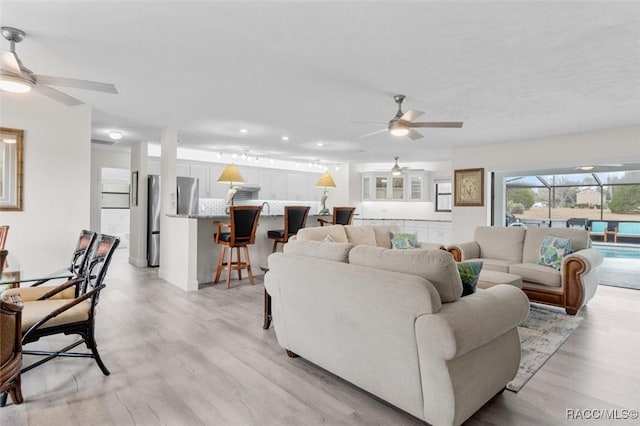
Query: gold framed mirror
x,y
11,154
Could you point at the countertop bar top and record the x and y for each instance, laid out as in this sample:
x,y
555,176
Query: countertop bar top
x,y
391,218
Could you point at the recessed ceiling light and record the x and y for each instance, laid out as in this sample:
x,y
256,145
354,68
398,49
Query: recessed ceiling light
x,y
115,135
586,167
337,168
219,155
243,130
319,144
285,138
234,155
271,160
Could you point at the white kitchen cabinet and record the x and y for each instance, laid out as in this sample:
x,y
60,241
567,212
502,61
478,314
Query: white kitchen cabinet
x,y
201,172
298,187
276,185
217,189
410,186
440,232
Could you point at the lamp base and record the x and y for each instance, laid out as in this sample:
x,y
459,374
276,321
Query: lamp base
x,y
324,212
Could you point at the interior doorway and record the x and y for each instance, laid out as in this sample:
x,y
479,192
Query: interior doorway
x,y
115,203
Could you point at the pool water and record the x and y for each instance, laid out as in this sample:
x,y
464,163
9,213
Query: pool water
x,y
618,252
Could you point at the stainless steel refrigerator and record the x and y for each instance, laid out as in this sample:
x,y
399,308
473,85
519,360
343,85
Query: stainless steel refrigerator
x,y
153,221
188,198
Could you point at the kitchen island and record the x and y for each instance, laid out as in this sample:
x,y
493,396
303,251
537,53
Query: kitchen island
x,y
188,252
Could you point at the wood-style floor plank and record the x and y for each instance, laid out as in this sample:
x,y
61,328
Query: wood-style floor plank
x,y
202,358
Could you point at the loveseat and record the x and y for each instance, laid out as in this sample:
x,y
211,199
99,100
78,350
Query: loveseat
x,y
516,250
393,323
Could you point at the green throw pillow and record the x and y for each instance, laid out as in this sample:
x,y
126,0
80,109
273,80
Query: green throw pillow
x,y
400,240
553,250
469,273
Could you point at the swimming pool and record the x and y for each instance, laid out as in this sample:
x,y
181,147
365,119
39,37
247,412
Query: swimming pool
x,y
619,251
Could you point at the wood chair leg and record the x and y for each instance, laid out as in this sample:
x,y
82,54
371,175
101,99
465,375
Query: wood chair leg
x,y
291,354
228,268
275,246
16,392
239,263
267,311
248,265
220,261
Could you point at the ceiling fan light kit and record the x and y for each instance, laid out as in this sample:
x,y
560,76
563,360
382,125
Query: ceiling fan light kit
x,y
15,84
396,170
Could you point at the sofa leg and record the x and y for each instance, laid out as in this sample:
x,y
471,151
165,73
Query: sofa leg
x,y
571,311
291,354
501,391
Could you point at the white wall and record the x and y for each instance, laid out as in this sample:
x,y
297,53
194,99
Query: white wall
x,y
57,176
565,151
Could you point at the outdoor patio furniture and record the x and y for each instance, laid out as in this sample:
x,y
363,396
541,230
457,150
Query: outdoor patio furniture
x,y
626,230
599,229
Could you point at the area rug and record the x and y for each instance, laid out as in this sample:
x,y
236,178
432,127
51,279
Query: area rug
x,y
541,335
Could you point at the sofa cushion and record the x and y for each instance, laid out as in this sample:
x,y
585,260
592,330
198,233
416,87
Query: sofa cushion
x,y
469,273
500,243
360,235
325,250
318,233
533,240
497,265
537,274
383,237
437,266
553,250
403,240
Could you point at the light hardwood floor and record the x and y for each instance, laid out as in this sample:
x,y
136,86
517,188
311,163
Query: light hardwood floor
x,y
181,358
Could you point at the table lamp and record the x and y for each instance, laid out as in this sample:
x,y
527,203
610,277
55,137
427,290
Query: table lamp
x,y
232,175
325,181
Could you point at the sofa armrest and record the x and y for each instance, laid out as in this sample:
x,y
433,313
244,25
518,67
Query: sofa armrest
x,y
579,278
472,321
464,251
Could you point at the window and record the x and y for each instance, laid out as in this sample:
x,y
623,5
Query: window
x,y
443,197
381,188
397,188
366,188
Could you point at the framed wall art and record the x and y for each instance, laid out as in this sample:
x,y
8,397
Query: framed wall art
x,y
11,153
468,187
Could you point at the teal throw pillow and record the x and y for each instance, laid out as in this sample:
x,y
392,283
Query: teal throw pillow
x,y
401,240
553,250
469,273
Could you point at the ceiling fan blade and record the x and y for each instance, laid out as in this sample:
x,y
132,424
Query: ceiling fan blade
x,y
450,124
413,135
374,133
78,84
10,62
57,95
411,115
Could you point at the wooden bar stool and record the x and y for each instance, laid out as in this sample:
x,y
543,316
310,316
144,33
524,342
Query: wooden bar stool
x,y
341,216
295,218
242,232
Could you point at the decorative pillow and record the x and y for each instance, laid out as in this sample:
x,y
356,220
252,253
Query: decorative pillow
x,y
469,273
553,250
329,239
400,240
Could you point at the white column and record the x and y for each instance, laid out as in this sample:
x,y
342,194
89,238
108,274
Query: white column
x,y
138,213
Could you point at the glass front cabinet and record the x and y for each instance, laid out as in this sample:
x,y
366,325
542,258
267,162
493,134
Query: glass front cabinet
x,y
410,186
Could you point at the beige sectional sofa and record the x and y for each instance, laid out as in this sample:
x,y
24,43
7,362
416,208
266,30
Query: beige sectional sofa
x,y
393,323
516,250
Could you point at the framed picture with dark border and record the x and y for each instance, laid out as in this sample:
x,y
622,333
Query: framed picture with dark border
x,y
134,188
468,187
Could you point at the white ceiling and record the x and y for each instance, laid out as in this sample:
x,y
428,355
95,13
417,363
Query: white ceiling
x,y
510,70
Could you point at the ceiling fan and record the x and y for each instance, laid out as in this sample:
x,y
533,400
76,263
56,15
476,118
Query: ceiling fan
x,y
396,170
15,77
403,125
